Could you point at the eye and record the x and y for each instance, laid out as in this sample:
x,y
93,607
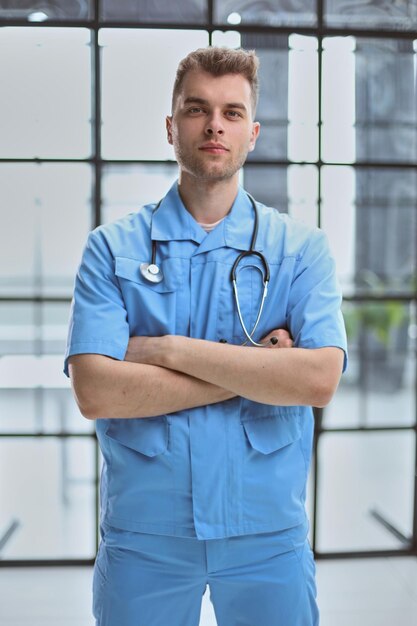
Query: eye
x,y
233,114
195,110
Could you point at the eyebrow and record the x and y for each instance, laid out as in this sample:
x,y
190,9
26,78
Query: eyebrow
x,y
229,105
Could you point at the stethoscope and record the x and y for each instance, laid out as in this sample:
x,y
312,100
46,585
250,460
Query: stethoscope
x,y
153,273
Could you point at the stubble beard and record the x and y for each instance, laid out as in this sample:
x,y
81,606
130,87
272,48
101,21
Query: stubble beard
x,y
204,169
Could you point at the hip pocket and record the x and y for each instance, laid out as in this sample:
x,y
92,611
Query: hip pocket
x,y
149,435
276,429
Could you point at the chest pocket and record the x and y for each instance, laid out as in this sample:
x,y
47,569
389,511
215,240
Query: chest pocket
x,y
152,308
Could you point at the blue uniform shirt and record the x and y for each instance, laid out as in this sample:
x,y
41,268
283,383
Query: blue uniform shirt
x,y
231,468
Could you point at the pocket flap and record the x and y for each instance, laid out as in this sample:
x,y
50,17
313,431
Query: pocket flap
x,y
172,270
272,432
148,435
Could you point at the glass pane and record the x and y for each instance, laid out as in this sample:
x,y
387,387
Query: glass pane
x,y
303,98
268,184
302,181
45,214
33,404
362,476
338,99
378,388
370,217
270,12
272,111
186,11
291,190
35,11
46,74
228,38
366,117
48,488
372,14
33,328
137,93
35,395
386,110
126,188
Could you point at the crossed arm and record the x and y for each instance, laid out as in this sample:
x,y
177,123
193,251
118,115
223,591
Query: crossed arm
x,y
166,374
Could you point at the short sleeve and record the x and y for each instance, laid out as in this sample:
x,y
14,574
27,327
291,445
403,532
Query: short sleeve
x,y
314,316
98,320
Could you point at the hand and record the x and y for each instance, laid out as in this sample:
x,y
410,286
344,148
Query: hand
x,y
283,337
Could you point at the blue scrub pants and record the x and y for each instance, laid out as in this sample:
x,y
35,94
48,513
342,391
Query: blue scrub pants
x,y
156,580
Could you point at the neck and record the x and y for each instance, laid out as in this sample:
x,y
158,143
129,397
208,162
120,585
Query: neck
x,y
207,201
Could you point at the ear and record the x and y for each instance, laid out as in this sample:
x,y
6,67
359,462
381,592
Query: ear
x,y
256,127
168,125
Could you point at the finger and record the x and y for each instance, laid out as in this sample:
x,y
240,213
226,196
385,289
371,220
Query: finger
x,y
284,338
279,338
271,341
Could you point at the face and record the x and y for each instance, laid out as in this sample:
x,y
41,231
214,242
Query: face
x,y
211,128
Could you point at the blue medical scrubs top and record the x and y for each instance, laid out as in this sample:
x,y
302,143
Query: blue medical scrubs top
x,y
232,468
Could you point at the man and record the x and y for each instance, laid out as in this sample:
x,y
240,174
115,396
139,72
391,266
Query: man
x,y
206,441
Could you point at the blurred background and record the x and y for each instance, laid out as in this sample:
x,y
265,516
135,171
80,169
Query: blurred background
x,y
85,87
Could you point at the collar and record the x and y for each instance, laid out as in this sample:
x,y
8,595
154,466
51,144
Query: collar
x,y
172,221
240,222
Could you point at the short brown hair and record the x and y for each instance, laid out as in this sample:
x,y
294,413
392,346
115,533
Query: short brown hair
x,y
218,62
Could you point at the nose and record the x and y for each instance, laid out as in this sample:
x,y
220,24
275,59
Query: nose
x,y
214,126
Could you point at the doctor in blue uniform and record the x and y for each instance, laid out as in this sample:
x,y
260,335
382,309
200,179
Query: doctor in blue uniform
x,y
179,350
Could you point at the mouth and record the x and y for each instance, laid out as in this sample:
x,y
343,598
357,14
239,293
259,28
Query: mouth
x,y
213,148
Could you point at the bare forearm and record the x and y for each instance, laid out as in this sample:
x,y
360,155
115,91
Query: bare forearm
x,y
104,387
284,377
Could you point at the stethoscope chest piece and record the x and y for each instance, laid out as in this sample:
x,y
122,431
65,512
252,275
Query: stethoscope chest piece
x,y
151,272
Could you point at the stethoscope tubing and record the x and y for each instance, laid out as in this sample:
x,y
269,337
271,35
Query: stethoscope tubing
x,y
152,273
242,323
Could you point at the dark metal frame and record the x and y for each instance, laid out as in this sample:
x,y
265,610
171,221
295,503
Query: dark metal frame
x,y
320,31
